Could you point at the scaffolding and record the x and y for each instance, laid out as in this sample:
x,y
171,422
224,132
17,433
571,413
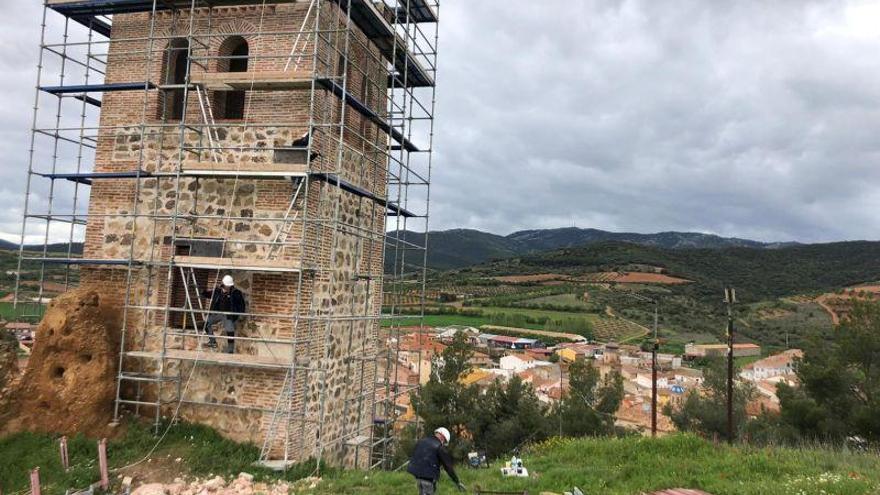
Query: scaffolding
x,y
286,143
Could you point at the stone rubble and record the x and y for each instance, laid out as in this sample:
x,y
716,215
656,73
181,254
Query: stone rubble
x,y
241,485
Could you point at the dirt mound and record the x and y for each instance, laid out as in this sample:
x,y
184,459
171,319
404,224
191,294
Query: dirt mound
x,y
70,382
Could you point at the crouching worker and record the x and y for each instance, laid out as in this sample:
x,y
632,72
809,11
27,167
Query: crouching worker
x,y
428,455
225,298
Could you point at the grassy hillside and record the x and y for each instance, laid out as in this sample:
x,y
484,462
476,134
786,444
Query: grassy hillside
x,y
764,278
627,466
635,465
458,248
758,274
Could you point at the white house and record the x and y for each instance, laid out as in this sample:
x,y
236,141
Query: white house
x,y
517,363
777,365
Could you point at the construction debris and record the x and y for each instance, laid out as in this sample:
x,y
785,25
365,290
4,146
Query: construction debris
x,y
242,485
70,382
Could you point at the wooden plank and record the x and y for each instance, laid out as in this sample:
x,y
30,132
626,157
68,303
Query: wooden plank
x,y
256,265
219,358
246,169
256,80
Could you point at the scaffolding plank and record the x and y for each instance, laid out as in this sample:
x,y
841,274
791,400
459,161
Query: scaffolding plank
x,y
363,13
364,110
256,80
243,264
104,7
87,177
81,261
397,211
217,358
88,99
97,25
256,170
98,88
333,179
373,24
419,11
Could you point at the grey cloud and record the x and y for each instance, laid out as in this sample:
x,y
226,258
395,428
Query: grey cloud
x,y
752,119
755,119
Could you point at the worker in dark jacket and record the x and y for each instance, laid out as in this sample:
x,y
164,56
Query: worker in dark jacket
x,y
429,454
225,298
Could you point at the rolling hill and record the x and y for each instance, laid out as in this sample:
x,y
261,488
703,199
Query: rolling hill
x,y
759,273
457,248
58,247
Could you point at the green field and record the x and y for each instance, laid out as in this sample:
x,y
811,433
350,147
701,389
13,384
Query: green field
x,y
569,301
538,312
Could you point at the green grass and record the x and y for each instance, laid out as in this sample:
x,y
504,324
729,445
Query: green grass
x,y
625,466
202,450
634,465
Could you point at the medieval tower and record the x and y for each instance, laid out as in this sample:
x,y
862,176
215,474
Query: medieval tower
x,y
286,144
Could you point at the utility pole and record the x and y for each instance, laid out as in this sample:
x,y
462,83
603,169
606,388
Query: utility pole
x,y
730,300
654,347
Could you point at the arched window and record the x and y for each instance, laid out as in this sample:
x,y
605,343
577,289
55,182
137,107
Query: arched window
x,y
175,67
235,51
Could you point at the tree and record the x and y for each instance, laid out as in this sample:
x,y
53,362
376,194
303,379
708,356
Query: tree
x,y
839,391
509,415
444,400
589,406
705,411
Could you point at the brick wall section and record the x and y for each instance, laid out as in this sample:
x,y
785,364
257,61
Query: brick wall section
x,y
313,301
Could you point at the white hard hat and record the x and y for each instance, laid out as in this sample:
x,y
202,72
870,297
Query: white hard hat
x,y
444,433
227,281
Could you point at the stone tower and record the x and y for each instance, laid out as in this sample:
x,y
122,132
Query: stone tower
x,y
269,141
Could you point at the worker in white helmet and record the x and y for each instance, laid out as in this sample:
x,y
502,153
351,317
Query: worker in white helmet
x,y
227,303
428,455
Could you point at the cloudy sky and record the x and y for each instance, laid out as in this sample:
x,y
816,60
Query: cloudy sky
x,y
751,118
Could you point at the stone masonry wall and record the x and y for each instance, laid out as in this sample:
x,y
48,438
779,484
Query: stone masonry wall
x,y
131,218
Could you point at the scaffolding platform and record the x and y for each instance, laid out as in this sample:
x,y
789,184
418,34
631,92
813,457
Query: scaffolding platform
x,y
373,24
238,264
346,186
86,178
248,170
364,110
82,261
419,11
72,8
98,88
253,80
363,13
216,358
240,170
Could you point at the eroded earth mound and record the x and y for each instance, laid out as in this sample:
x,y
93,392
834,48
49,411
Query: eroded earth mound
x,y
70,383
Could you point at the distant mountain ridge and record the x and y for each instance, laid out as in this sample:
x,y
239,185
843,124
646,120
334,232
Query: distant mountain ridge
x,y
57,247
458,248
